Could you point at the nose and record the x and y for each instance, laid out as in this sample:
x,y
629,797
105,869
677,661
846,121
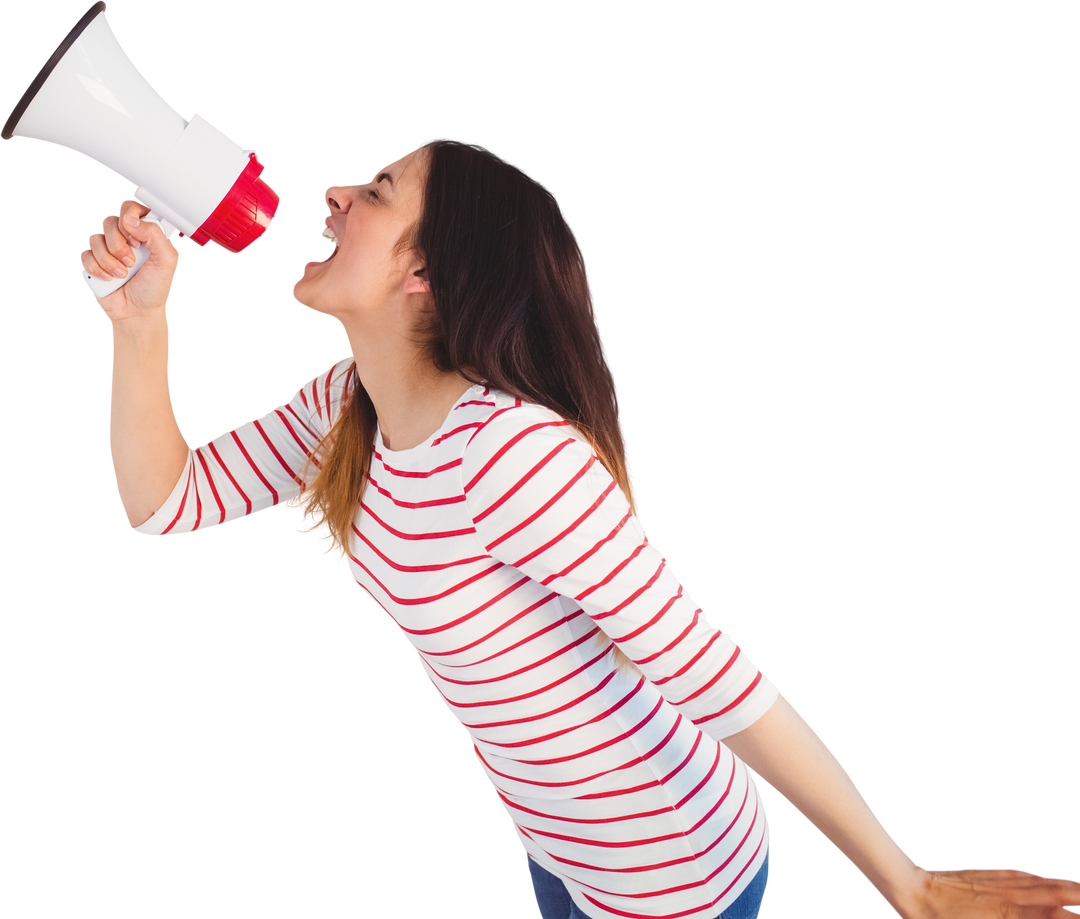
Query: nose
x,y
339,198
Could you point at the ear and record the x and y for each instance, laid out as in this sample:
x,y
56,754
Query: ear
x,y
417,282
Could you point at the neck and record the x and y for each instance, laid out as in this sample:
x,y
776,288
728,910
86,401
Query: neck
x,y
412,397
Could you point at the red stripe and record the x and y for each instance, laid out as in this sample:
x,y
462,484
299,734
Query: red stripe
x,y
300,421
700,690
183,500
254,465
513,440
274,450
536,649
727,708
547,505
213,487
220,462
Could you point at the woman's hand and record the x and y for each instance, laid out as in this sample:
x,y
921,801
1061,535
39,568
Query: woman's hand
x,y
992,895
112,252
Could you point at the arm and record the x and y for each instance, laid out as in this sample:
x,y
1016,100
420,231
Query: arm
x,y
149,452
783,750
147,446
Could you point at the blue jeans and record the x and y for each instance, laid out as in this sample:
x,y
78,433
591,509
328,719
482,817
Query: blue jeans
x,y
555,902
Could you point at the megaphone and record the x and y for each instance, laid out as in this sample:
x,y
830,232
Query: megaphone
x,y
90,97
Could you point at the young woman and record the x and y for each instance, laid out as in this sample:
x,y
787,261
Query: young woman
x,y
468,459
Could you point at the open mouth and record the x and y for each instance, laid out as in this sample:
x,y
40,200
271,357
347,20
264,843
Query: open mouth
x,y
329,234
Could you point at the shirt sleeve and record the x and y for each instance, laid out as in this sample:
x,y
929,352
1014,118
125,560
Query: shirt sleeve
x,y
542,502
258,465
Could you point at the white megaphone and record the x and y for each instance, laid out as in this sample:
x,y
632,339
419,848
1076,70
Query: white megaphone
x,y
90,97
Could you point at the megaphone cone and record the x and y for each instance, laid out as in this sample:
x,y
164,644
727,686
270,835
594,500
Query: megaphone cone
x,y
90,97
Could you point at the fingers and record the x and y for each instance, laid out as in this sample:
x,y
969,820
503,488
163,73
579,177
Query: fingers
x,y
102,262
132,209
110,251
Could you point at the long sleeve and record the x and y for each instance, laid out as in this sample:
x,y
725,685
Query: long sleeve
x,y
255,466
542,502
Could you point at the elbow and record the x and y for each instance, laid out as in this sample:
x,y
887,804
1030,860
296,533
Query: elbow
x,y
136,519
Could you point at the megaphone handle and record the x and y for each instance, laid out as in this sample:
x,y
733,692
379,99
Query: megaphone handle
x,y
101,288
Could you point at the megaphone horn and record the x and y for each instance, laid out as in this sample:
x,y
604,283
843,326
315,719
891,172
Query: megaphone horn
x,y
90,97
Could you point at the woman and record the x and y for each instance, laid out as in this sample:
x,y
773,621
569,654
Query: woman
x,y
468,459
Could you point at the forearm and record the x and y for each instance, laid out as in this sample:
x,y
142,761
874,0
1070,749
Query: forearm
x,y
783,750
149,452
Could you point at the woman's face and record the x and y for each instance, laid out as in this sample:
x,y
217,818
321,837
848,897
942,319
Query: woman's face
x,y
363,274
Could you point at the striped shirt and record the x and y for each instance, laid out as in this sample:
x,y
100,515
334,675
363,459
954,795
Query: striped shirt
x,y
511,560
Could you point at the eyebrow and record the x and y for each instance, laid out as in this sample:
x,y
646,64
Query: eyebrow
x,y
384,175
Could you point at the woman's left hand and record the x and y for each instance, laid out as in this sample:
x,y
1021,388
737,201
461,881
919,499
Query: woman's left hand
x,y
993,895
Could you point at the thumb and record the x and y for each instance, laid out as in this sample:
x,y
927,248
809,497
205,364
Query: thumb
x,y
150,234
140,229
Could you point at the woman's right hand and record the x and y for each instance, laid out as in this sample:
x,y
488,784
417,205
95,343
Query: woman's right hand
x,y
145,294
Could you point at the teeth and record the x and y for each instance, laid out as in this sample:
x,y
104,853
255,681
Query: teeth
x,y
329,234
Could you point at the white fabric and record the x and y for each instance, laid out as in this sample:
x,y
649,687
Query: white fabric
x,y
502,547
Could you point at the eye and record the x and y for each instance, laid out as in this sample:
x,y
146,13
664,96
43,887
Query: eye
x,y
374,194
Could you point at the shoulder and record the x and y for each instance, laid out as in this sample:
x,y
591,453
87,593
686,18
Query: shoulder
x,y
320,400
514,438
510,423
528,464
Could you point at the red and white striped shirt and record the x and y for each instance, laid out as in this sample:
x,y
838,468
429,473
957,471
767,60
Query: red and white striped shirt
x,y
502,546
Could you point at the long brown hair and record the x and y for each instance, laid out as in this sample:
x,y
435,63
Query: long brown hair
x,y
511,308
